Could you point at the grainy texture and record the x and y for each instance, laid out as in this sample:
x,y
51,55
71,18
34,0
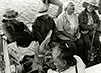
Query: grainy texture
x,y
28,8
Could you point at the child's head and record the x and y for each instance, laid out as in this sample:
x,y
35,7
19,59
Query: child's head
x,y
63,56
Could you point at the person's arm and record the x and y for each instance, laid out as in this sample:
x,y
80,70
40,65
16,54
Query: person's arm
x,y
98,21
60,4
83,25
67,35
36,32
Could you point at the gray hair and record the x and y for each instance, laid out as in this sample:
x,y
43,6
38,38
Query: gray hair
x,y
66,5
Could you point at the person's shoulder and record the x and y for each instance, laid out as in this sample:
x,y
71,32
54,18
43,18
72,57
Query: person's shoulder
x,y
36,22
82,13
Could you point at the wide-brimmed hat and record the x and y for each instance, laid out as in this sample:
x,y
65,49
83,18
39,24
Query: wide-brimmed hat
x,y
10,14
43,10
91,2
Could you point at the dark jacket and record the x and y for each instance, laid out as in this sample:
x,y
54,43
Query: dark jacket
x,y
83,20
99,3
41,27
18,32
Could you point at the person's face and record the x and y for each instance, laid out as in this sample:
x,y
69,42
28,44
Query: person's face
x,y
90,8
71,8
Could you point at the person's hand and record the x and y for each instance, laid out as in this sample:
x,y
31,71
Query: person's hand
x,y
91,27
73,39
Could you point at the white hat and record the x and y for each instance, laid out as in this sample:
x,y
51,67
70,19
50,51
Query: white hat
x,y
10,14
91,2
43,10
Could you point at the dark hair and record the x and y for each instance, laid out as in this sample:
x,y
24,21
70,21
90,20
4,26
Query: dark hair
x,y
67,54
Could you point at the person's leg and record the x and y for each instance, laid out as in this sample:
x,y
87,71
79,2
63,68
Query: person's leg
x,y
74,48
96,42
87,44
97,46
80,46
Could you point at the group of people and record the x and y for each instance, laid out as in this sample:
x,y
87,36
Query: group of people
x,y
74,35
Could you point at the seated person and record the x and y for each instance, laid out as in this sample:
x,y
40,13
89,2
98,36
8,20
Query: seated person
x,y
89,27
65,61
68,27
9,20
42,25
46,3
22,36
29,57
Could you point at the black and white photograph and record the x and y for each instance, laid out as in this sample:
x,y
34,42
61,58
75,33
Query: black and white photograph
x,y
50,36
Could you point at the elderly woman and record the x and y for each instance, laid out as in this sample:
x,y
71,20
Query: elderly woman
x,y
68,27
89,24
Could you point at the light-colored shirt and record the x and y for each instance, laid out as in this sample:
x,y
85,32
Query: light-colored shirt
x,y
67,23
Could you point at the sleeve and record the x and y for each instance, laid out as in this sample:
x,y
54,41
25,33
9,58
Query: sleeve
x,y
99,3
82,20
60,23
53,25
36,32
98,21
